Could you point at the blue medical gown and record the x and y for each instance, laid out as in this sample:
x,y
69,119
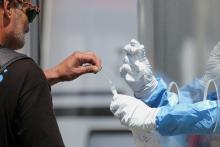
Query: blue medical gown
x,y
187,114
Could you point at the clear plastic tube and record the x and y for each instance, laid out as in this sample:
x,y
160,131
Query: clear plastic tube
x,y
112,86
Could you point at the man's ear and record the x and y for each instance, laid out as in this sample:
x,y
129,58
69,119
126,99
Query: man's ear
x,y
7,9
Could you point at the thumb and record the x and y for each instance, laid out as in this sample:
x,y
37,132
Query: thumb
x,y
115,97
120,97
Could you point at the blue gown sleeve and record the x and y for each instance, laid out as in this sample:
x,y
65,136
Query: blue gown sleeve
x,y
197,118
190,93
161,96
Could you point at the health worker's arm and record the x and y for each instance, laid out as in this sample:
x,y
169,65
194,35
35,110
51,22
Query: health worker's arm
x,y
190,93
197,118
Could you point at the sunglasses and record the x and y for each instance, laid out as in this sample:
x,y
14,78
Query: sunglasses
x,y
30,10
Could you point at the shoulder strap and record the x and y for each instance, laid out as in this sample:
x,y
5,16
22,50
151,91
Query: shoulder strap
x,y
8,57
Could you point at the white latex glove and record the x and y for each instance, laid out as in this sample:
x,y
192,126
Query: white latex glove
x,y
136,70
133,113
213,67
143,139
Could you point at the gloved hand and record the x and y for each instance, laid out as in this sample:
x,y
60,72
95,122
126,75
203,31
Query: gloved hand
x,y
136,70
133,113
213,67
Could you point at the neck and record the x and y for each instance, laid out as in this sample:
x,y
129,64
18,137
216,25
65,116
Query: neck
x,y
2,34
1,39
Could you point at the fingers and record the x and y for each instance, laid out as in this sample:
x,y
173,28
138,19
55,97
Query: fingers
x,y
134,47
91,59
123,106
116,103
126,60
96,59
130,70
136,63
86,69
134,52
113,105
125,69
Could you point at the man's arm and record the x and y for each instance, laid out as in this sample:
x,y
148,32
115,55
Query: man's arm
x,y
72,67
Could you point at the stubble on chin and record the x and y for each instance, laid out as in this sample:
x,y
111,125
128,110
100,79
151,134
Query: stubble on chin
x,y
16,41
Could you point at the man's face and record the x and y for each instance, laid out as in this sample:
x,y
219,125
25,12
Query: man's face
x,y
16,26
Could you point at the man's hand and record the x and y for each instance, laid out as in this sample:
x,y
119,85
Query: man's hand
x,y
72,67
134,113
136,70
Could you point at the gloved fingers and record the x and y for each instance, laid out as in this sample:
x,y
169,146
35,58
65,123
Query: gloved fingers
x,y
113,107
131,63
131,59
134,42
134,67
133,113
121,100
129,73
116,102
130,50
122,104
125,69
124,108
117,107
133,47
134,55
126,60
126,119
121,112
139,67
